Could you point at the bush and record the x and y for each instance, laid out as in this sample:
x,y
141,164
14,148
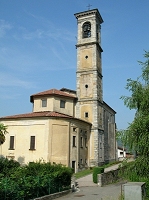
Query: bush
x,y
34,180
97,170
7,166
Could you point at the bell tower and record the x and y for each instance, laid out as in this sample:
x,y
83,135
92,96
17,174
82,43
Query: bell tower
x,y
89,80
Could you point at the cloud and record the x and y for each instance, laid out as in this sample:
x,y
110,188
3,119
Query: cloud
x,y
8,80
41,46
44,28
9,96
4,26
38,34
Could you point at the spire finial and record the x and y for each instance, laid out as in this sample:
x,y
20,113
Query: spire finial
x,y
89,5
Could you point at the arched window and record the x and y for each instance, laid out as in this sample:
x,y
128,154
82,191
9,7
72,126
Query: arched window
x,y
86,30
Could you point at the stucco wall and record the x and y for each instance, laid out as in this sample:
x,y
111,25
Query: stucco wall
x,y
37,106
69,106
53,141
53,104
22,130
59,142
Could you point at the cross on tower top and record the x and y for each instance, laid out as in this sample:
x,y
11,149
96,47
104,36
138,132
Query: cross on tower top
x,y
89,5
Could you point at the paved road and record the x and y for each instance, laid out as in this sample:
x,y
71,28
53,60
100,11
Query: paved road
x,y
110,192
87,190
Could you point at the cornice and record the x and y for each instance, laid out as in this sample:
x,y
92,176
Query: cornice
x,y
89,12
89,43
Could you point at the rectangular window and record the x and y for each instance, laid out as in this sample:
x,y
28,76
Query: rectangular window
x,y
11,145
81,141
44,102
32,143
86,142
86,114
62,103
74,141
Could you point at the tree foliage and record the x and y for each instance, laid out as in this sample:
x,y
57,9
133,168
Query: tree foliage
x,y
137,134
3,131
121,135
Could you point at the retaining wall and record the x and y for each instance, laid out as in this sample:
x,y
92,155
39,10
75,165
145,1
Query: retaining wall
x,y
108,177
54,196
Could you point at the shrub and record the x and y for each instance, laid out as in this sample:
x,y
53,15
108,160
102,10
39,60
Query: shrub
x,y
34,180
7,166
97,170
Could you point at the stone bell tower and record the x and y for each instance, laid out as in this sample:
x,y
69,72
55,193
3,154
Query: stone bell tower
x,y
89,80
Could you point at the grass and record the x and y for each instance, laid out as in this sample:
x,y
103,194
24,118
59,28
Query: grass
x,y
83,173
89,171
112,163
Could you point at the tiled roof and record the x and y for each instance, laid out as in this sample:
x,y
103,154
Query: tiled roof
x,y
41,114
37,114
52,92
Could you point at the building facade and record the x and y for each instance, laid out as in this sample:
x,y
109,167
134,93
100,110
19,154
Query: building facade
x,y
75,128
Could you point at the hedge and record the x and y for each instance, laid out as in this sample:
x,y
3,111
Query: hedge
x,y
97,170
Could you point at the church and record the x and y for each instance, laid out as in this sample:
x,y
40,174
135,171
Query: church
x,y
74,128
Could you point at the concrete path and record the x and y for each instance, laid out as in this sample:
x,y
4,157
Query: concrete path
x,y
87,190
113,167
109,192
87,181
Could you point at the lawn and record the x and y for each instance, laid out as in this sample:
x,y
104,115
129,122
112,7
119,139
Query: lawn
x,y
89,171
83,173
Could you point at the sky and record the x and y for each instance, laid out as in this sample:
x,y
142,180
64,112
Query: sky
x,y
38,53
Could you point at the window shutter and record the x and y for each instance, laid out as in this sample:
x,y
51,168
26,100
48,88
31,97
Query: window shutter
x,y
11,142
32,142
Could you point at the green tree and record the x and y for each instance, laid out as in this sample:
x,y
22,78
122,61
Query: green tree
x,y
138,131
121,135
3,132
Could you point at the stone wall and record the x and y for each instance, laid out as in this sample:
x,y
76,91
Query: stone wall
x,y
108,177
54,196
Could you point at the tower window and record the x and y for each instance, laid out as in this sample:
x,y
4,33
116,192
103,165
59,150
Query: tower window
x,y
81,142
86,30
97,29
86,114
86,86
74,141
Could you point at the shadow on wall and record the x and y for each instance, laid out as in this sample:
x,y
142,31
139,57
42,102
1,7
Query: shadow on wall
x,y
21,160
